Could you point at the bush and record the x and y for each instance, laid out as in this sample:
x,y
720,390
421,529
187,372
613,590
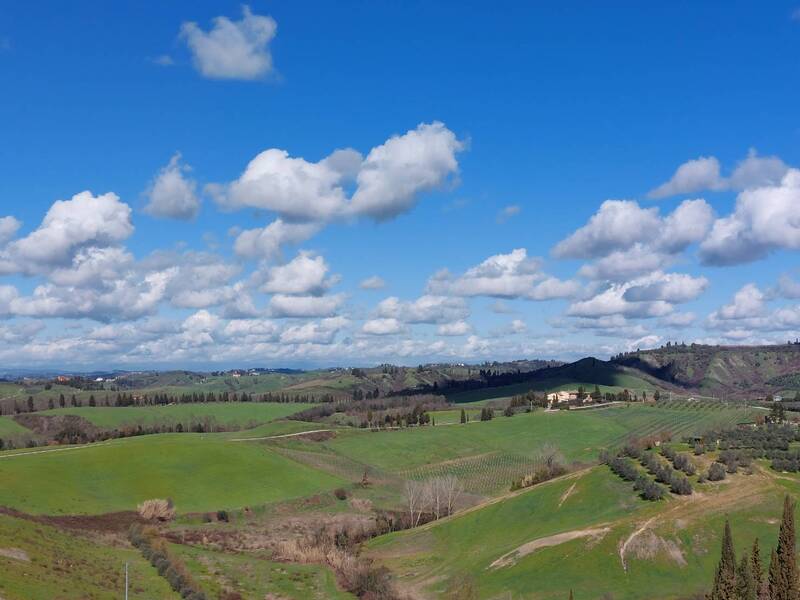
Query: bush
x,y
156,510
222,515
681,486
340,493
652,491
716,472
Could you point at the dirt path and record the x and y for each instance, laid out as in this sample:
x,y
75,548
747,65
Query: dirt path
x,y
632,537
512,557
283,435
566,494
28,453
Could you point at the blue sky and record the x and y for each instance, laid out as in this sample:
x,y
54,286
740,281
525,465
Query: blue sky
x,y
484,141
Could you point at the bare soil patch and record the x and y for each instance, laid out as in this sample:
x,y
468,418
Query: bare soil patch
x,y
512,557
15,553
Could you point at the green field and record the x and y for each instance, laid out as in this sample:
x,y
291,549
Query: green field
x,y
487,456
238,414
673,555
200,472
9,428
580,435
42,562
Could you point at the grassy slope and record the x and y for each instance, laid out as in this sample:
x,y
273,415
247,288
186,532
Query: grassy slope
x,y
461,548
9,427
253,577
67,566
578,434
199,472
227,413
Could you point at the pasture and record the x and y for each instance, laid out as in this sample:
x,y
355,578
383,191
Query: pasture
x,y
200,472
228,414
487,456
9,428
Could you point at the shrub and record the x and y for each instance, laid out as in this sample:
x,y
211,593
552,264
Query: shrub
x,y
652,491
222,515
340,493
716,472
680,485
156,510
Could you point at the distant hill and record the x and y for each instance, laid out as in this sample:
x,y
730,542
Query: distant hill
x,y
742,372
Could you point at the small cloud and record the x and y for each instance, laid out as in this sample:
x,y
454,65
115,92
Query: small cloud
x,y
165,60
172,195
372,283
232,49
501,308
508,212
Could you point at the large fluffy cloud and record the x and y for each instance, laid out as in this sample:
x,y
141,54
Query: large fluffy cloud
x,y
387,182
626,240
425,309
704,173
282,305
394,173
268,242
232,49
70,225
512,275
765,218
306,274
648,296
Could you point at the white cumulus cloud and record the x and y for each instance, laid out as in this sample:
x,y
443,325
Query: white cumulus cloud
x,y
232,49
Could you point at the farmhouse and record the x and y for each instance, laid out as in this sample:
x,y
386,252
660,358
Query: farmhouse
x,y
563,396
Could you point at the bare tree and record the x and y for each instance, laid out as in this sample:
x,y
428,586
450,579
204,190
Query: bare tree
x,y
453,488
414,499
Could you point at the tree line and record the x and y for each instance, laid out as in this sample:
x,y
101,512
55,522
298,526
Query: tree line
x,y
746,579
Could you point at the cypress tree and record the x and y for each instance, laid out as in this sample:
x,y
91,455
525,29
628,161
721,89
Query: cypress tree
x,y
745,584
784,585
725,578
757,569
774,576
463,416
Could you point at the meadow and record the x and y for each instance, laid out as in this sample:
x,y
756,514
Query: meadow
x,y
229,414
9,428
200,472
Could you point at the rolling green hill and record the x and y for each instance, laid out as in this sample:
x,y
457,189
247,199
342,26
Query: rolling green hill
x,y
588,533
199,472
